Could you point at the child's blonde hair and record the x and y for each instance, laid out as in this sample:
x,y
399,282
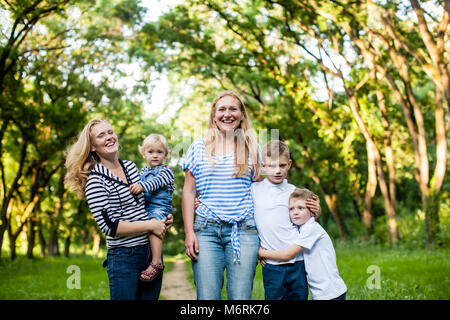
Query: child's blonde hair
x,y
151,140
245,136
302,194
275,148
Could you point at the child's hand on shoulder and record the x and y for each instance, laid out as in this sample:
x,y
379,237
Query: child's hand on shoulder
x,y
136,188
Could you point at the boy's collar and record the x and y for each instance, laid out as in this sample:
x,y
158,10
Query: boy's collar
x,y
310,220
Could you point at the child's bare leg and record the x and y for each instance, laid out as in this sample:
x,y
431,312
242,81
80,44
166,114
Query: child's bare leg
x,y
156,247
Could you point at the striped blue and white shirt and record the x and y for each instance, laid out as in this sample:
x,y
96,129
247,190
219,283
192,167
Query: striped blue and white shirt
x,y
223,196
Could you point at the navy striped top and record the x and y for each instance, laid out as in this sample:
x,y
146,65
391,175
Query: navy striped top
x,y
110,201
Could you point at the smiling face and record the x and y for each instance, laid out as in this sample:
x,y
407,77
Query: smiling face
x,y
276,168
298,211
154,154
228,114
104,140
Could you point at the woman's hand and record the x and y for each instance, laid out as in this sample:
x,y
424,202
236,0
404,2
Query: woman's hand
x,y
197,203
158,228
313,204
191,245
169,221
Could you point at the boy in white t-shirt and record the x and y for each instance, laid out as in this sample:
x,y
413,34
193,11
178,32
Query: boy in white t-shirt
x,y
283,280
318,252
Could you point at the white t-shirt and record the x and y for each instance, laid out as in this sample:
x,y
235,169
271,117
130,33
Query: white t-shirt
x,y
275,229
320,262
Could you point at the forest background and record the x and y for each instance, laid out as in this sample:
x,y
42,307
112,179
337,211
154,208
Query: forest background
x,y
359,90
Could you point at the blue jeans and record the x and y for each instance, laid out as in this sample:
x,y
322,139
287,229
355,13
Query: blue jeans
x,y
124,267
216,255
285,281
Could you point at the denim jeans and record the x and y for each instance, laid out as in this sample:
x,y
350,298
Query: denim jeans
x,y
216,255
124,267
285,281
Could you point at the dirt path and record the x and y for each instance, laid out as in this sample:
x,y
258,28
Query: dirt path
x,y
175,285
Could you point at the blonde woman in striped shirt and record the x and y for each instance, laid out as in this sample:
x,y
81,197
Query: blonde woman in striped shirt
x,y
95,172
223,235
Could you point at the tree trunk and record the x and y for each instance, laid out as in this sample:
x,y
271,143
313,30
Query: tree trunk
x,y
42,242
67,244
97,239
389,152
432,203
371,187
55,216
333,205
53,246
31,237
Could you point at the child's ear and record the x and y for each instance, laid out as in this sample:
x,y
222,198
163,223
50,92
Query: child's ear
x,y
289,163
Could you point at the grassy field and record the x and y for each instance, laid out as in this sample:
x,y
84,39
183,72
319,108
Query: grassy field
x,y
50,278
403,274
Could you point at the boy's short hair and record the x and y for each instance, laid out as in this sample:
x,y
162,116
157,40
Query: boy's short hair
x,y
275,148
302,194
152,139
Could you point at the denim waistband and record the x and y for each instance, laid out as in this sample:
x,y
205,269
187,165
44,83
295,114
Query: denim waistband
x,y
234,224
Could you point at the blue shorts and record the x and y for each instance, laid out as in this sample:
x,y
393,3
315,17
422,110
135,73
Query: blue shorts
x,y
285,281
158,214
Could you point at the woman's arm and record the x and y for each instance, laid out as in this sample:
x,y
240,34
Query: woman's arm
x,y
280,255
187,206
97,198
126,228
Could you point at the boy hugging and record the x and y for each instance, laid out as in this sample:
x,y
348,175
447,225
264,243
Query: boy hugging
x,y
296,252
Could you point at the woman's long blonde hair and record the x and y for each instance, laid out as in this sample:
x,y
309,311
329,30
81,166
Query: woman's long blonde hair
x,y
80,160
245,142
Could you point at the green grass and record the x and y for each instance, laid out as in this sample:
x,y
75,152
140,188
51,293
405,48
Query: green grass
x,y
418,274
404,274
46,279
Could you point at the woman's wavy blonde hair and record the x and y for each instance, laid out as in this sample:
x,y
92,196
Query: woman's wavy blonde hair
x,y
80,160
245,142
